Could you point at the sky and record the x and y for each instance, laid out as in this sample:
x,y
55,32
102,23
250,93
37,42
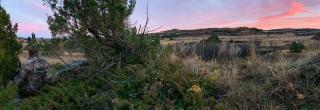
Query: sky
x,y
31,15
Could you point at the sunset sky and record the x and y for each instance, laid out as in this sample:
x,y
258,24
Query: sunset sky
x,y
31,15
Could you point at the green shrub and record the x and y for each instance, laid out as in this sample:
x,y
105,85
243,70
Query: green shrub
x,y
296,47
212,39
9,47
102,42
7,96
157,84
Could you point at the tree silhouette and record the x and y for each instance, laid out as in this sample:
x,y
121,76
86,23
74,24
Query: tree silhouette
x,y
9,47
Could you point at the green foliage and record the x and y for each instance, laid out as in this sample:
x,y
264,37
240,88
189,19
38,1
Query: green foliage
x,y
9,47
296,47
71,94
157,84
141,49
57,46
7,96
213,39
99,27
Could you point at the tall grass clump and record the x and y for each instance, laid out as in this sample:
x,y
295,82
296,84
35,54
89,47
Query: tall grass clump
x,y
213,51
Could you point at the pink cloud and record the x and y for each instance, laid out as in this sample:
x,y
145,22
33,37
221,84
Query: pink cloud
x,y
296,8
266,14
29,28
288,19
303,22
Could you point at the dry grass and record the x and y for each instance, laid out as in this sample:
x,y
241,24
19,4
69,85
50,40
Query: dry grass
x,y
246,79
272,40
52,61
168,41
251,82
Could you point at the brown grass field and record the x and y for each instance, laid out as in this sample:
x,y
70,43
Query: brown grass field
x,y
275,40
266,41
66,57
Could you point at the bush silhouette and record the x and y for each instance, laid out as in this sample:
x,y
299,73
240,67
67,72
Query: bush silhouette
x,y
212,39
296,47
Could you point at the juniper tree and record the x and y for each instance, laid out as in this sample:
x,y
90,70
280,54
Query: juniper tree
x,y
296,47
9,47
100,27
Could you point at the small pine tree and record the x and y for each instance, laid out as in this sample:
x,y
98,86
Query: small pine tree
x,y
296,47
9,47
33,41
33,36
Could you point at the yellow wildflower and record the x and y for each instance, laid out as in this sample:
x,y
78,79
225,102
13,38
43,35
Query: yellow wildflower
x,y
195,89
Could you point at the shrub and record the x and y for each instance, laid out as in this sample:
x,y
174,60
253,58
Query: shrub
x,y
212,39
104,43
7,94
9,48
296,47
308,83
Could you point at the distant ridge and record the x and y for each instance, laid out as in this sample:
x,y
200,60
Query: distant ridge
x,y
238,31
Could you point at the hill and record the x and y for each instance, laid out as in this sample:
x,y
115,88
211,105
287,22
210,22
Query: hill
x,y
239,31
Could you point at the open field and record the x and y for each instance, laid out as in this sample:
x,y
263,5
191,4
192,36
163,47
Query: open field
x,y
275,40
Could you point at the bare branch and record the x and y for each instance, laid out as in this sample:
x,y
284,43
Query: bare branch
x,y
147,20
